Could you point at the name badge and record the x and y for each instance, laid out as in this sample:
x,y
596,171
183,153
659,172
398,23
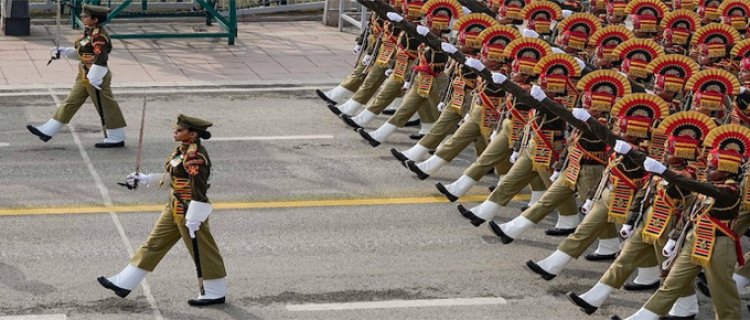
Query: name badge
x,y
176,161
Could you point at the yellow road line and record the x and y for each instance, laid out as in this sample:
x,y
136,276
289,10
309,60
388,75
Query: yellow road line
x,y
245,205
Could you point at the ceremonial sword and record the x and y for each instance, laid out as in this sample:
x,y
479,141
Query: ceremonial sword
x,y
57,36
139,151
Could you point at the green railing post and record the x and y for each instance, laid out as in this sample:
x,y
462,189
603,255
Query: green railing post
x,y
232,21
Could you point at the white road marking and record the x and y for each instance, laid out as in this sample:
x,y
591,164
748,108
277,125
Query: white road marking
x,y
267,138
36,317
159,90
108,203
4,144
395,304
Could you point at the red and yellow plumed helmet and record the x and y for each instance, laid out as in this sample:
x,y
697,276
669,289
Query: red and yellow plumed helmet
x,y
636,54
686,4
539,15
604,41
646,14
671,71
616,8
526,52
495,39
470,26
681,134
439,13
711,86
709,9
412,9
741,54
715,39
729,147
637,112
575,30
735,13
396,3
678,25
556,71
511,9
602,88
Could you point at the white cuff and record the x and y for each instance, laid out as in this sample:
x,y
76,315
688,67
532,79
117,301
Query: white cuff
x,y
474,64
395,17
198,211
96,74
580,63
498,78
557,50
528,33
566,13
466,10
422,30
538,93
448,48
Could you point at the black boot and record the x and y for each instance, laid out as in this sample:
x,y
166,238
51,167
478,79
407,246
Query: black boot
x,y
206,302
702,285
389,112
600,257
324,97
335,110
445,192
413,123
540,271
504,238
416,136
632,286
582,304
110,144
413,167
349,122
38,133
374,143
120,292
466,213
557,232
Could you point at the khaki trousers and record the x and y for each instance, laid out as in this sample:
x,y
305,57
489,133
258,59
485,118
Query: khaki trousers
x,y
166,232
444,126
560,191
520,175
724,294
634,254
594,225
467,133
81,91
497,155
413,102
389,91
373,80
354,79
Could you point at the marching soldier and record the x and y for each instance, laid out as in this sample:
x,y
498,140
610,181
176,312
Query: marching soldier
x,y
185,217
94,80
458,96
429,76
668,206
678,25
712,45
586,158
395,85
541,142
616,193
711,239
646,16
351,83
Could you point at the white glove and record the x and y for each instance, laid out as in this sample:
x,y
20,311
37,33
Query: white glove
x,y
554,176
622,147
626,231
193,227
466,10
67,52
357,48
566,13
538,93
528,33
581,114
654,166
668,250
367,59
498,78
557,50
742,89
406,86
143,179
448,48
196,214
441,106
493,135
474,64
514,156
395,17
96,75
586,207
388,72
422,30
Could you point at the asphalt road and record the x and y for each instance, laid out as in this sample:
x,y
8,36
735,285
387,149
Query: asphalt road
x,y
285,252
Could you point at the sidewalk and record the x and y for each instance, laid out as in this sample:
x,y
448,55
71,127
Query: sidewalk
x,y
295,52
